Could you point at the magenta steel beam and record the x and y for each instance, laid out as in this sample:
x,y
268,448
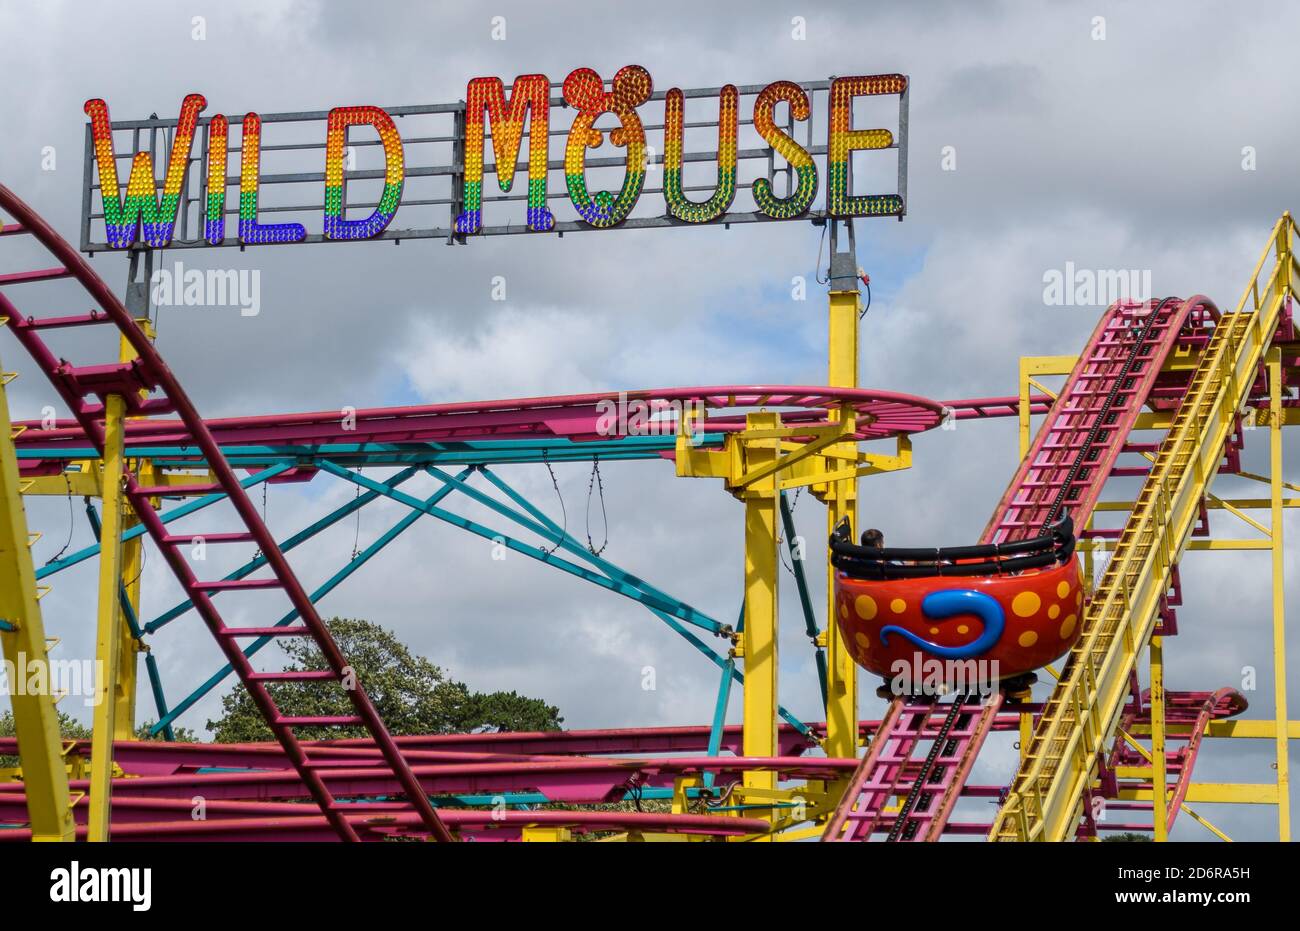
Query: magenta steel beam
x,y
379,825
161,757
133,381
1009,406
880,414
569,780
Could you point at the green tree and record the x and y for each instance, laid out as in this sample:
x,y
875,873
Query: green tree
x,y
72,729
411,694
183,735
1127,837
69,729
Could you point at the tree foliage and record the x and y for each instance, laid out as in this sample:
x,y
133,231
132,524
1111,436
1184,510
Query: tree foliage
x,y
411,694
72,729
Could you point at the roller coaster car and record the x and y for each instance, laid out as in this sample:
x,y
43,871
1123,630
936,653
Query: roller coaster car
x,y
1014,604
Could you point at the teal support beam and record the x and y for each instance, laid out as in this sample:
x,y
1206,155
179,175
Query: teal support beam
x,y
801,583
671,606
297,539
175,513
377,455
723,700
550,530
388,536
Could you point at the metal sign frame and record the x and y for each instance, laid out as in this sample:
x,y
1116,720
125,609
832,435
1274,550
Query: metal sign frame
x,y
434,184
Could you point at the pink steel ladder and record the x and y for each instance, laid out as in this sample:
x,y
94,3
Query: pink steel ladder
x,y
950,736
1072,456
134,381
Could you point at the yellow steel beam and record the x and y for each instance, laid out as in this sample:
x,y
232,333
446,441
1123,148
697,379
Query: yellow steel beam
x,y
534,834
1224,793
129,648
1030,366
22,638
823,437
841,499
84,483
759,638
108,627
1206,824
1147,755
1213,502
1274,366
1238,728
1159,762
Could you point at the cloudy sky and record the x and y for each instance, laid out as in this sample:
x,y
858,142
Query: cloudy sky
x,y
1122,152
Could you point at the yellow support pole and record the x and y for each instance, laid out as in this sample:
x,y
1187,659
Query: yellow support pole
x,y
22,637
759,639
129,648
128,651
1159,762
108,628
1022,409
534,834
1274,364
841,502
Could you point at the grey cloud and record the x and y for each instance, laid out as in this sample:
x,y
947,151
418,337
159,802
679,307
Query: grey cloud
x,y
1124,153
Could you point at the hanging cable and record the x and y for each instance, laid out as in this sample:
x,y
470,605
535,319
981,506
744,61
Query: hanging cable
x,y
564,515
258,554
144,554
599,485
356,536
779,550
866,280
817,269
71,519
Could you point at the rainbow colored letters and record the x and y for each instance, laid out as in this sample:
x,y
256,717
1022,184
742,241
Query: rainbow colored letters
x,y
148,211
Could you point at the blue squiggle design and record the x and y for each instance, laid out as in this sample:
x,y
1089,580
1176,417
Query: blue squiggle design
x,y
949,603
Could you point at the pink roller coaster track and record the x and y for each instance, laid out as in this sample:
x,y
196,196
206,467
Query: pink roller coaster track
x,y
266,801
924,751
295,789
146,375
578,417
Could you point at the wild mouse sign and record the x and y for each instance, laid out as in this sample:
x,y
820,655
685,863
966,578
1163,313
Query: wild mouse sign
x,y
600,154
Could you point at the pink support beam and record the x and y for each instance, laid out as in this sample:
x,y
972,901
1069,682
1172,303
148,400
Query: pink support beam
x,y
880,414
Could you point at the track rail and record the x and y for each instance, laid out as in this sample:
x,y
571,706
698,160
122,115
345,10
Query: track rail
x,y
149,389
1069,462
1079,720
1073,453
951,735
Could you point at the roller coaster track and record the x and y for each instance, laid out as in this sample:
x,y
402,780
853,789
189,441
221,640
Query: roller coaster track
x,y
147,388
1078,721
1069,462
954,731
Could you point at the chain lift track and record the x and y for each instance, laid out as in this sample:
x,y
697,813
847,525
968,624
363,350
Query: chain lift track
x,y
1048,793
1069,461
146,387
